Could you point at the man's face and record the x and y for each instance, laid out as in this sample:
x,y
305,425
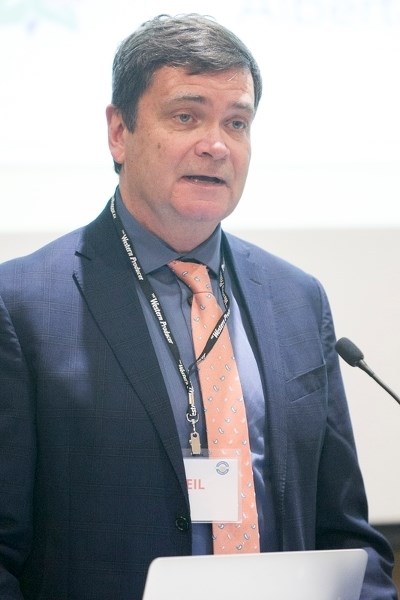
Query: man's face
x,y
185,164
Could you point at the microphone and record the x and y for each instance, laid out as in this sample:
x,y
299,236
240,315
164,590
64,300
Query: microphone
x,y
355,358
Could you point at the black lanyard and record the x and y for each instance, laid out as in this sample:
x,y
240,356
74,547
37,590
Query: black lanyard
x,y
192,414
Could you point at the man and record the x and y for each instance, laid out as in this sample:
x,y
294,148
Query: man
x,y
97,362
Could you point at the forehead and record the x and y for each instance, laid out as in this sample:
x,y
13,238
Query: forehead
x,y
175,83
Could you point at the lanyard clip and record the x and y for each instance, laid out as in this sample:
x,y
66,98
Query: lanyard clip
x,y
194,441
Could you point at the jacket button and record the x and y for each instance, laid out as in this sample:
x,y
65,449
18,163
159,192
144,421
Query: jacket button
x,y
182,523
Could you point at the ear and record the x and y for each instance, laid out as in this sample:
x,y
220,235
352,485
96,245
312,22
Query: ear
x,y
116,130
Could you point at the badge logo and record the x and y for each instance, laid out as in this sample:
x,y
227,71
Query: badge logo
x,y
222,467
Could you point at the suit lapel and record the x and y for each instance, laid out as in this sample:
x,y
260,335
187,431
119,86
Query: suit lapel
x,y
106,282
254,282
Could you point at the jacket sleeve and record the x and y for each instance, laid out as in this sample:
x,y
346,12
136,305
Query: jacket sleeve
x,y
342,510
17,458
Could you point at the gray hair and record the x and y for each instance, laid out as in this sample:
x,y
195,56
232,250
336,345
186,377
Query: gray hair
x,y
192,41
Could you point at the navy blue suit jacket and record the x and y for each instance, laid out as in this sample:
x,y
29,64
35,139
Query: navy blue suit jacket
x,y
92,479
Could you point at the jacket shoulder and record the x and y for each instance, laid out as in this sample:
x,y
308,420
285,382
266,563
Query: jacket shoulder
x,y
271,263
59,253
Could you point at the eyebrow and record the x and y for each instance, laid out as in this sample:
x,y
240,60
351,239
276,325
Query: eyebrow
x,y
246,106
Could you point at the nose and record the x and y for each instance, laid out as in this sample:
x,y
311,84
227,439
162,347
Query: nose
x,y
212,144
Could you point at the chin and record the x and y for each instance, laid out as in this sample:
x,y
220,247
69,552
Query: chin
x,y
207,211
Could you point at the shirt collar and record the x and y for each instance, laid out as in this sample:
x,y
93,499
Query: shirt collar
x,y
153,253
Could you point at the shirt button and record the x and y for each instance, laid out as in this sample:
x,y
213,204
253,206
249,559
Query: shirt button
x,y
182,523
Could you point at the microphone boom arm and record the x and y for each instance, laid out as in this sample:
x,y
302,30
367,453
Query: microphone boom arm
x,y
363,365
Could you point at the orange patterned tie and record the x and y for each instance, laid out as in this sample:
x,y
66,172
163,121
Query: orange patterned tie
x,y
224,407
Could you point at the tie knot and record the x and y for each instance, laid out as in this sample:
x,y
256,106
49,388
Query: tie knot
x,y
194,275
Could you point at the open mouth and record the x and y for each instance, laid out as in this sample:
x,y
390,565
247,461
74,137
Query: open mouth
x,y
205,179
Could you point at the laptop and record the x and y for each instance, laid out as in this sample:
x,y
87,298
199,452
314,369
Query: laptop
x,y
304,575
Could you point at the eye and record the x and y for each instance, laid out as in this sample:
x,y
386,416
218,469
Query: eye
x,y
184,118
237,124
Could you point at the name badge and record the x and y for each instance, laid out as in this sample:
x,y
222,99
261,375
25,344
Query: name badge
x,y
213,487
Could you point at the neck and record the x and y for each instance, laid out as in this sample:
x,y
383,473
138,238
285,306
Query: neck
x,y
179,234
181,242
